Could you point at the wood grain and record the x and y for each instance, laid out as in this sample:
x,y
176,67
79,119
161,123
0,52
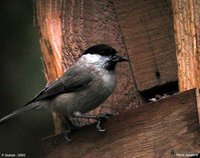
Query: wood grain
x,y
147,28
162,129
47,19
48,22
187,35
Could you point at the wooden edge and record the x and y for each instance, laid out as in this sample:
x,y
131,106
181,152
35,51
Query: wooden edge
x,y
161,129
198,102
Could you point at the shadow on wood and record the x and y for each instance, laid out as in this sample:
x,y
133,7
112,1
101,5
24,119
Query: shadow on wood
x,y
160,129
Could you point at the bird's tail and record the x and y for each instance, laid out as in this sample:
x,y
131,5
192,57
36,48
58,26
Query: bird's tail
x,y
18,111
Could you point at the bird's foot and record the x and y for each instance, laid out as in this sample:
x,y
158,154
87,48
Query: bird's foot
x,y
68,130
99,118
67,135
104,116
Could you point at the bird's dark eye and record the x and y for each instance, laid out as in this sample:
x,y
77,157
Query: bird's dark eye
x,y
114,58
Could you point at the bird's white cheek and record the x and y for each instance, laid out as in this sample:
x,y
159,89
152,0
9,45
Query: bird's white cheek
x,y
91,58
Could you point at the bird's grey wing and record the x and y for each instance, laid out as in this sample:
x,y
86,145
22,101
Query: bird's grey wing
x,y
75,79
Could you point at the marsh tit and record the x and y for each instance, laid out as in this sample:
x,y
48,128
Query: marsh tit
x,y
86,85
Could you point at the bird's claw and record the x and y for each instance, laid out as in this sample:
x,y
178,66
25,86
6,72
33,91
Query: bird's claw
x,y
66,136
100,118
98,126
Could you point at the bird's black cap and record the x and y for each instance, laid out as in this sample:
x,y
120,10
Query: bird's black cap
x,y
101,49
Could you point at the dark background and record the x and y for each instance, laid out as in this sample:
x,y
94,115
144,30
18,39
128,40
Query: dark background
x,y
21,78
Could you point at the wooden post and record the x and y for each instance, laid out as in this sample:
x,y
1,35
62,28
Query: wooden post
x,y
187,35
47,19
67,28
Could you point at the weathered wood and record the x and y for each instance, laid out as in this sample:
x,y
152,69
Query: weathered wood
x,y
49,24
164,128
147,28
47,19
187,34
67,28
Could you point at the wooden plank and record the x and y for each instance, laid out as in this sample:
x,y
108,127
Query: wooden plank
x,y
187,35
164,128
147,28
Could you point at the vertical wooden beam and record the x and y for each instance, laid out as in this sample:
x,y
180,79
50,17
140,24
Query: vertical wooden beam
x,y
47,19
187,35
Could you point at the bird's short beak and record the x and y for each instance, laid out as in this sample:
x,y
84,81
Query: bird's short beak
x,y
121,58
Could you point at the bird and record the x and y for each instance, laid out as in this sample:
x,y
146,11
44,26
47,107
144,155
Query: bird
x,y
83,87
